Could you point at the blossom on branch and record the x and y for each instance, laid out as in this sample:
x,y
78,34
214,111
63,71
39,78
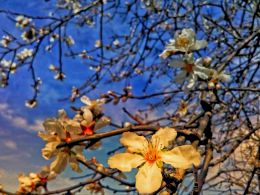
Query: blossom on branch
x,y
149,156
56,132
216,77
190,70
94,105
35,181
22,21
5,40
183,42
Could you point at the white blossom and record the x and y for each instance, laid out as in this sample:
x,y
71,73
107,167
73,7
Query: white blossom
x,y
190,70
183,42
22,21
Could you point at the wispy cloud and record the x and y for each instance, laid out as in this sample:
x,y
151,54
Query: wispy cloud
x,y
9,114
10,144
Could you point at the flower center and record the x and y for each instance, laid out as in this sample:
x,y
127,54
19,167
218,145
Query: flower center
x,y
188,67
182,42
152,154
88,130
44,180
68,137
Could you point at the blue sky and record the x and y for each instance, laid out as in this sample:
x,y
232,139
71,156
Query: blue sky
x,y
20,147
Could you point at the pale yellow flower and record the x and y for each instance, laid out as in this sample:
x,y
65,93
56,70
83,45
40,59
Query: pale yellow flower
x,y
94,105
183,108
69,40
28,184
183,42
22,21
150,155
216,77
58,131
5,40
9,65
59,76
31,103
24,54
98,43
29,35
35,181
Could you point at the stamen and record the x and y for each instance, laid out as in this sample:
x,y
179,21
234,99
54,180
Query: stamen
x,y
88,130
188,68
151,155
182,42
68,137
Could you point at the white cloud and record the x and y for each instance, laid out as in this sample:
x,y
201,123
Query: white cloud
x,y
14,157
10,144
8,114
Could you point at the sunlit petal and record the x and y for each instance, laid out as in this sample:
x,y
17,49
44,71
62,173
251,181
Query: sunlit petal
x,y
225,77
59,164
148,178
87,115
125,161
74,164
163,137
50,150
103,121
182,157
199,44
85,100
133,142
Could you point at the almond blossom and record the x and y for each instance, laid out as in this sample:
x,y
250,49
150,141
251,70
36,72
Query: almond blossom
x,y
35,181
183,42
29,35
22,21
56,132
94,105
5,40
190,70
216,77
24,54
149,156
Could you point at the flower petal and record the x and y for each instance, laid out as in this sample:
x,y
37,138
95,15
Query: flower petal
x,y
133,142
163,137
177,63
182,157
50,150
180,78
225,77
199,44
47,137
62,114
74,164
72,126
192,81
84,99
125,161
103,121
59,164
87,115
148,178
188,32
78,150
201,75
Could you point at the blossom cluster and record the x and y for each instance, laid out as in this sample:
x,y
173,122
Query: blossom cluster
x,y
192,69
64,130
